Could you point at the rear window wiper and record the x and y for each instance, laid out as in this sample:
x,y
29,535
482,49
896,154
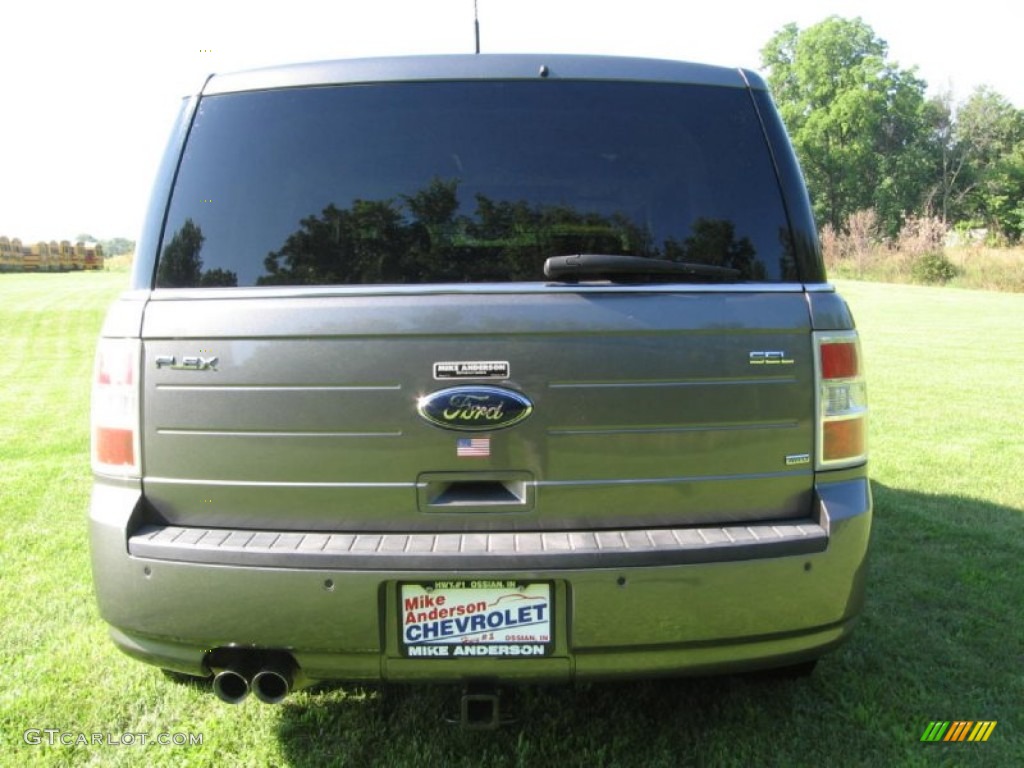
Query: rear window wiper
x,y
599,265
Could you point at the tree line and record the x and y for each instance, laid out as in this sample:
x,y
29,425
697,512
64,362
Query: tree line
x,y
115,246
423,238
868,136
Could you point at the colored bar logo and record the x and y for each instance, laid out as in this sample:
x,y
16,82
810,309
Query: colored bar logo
x,y
959,730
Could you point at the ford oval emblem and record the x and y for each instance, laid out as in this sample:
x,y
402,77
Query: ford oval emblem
x,y
474,409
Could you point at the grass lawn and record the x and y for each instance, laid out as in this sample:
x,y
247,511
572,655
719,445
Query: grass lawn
x,y
942,637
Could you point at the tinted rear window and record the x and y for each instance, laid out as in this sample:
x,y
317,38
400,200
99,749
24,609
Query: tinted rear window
x,y
469,182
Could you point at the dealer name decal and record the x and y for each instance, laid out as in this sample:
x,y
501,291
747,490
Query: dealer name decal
x,y
482,618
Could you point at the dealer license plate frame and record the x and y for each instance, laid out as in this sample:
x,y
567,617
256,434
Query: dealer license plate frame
x,y
518,620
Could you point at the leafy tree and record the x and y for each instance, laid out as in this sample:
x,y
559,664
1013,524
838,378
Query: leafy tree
x,y
424,238
950,162
117,246
362,244
218,278
433,231
856,119
714,242
988,138
181,265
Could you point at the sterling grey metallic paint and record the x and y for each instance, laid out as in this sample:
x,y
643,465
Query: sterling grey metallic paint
x,y
655,485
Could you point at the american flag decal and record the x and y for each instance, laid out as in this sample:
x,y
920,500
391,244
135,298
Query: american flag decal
x,y
473,446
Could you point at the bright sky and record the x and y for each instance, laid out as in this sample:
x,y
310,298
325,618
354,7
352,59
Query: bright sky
x,y
89,88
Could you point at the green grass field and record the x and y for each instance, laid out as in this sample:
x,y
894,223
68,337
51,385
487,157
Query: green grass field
x,y
942,637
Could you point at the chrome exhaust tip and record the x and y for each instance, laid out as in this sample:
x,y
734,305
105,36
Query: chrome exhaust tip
x,y
230,685
273,682
237,672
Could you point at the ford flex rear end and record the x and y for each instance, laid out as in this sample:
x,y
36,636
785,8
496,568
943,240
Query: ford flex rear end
x,y
517,368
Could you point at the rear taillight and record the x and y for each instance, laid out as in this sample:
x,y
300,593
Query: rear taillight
x,y
841,400
115,408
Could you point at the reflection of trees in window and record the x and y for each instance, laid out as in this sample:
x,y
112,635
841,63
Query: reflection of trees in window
x,y
182,267
791,247
218,278
714,243
365,243
422,238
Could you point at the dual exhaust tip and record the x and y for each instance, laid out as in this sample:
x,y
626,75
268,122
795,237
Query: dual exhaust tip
x,y
269,676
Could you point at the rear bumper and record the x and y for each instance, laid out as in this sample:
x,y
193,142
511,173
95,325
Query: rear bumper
x,y
664,602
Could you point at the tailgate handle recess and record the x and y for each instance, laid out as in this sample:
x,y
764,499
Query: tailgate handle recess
x,y
475,491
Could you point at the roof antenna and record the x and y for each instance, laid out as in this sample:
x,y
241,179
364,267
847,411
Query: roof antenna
x,y
476,25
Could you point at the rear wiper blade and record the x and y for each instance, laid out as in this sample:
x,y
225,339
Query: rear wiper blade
x,y
581,265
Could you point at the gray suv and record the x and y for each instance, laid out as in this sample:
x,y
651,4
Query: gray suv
x,y
503,368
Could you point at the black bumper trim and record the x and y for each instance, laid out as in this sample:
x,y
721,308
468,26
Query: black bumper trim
x,y
545,550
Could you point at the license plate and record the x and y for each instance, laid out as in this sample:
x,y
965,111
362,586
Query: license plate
x,y
494,619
